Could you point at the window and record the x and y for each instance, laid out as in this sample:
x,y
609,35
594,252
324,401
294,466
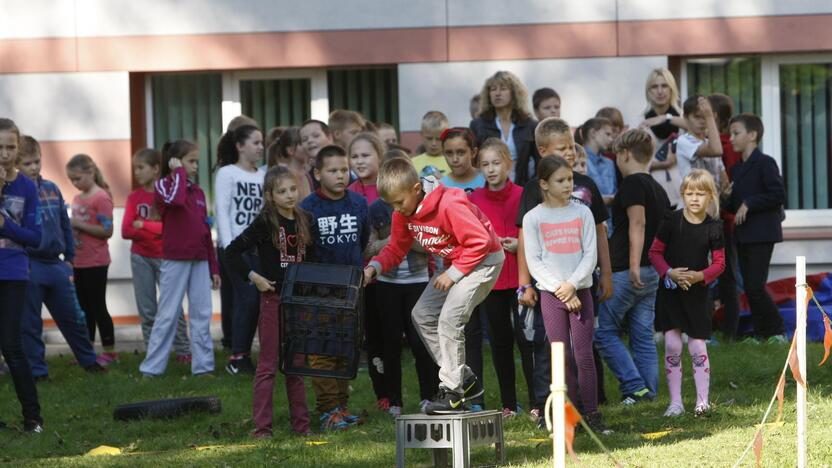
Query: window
x,y
738,77
276,102
374,92
805,101
188,106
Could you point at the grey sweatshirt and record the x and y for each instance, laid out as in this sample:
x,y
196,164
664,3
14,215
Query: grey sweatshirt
x,y
560,245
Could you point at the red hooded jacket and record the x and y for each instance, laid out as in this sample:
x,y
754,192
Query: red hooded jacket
x,y
185,231
446,224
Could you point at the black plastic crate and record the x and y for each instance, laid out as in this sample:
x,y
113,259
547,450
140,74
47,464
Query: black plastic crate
x,y
321,320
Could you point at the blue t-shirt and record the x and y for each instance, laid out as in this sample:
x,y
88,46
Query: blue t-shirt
x,y
21,228
340,228
602,171
468,187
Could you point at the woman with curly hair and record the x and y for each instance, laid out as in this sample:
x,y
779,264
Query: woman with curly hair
x,y
504,113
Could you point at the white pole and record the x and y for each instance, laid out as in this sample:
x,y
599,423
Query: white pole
x,y
800,332
558,389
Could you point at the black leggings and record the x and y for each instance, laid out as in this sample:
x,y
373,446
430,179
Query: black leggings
x,y
91,287
498,308
392,305
12,294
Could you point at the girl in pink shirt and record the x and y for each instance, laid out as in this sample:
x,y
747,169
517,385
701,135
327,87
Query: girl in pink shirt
x,y
365,152
92,225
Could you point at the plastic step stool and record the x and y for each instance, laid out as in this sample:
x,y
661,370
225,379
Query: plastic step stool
x,y
458,432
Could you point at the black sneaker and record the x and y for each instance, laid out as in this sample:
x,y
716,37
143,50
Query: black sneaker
x,y
630,399
33,426
239,366
472,388
446,402
96,368
596,423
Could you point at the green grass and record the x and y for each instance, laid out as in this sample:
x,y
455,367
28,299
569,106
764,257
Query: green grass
x,y
78,412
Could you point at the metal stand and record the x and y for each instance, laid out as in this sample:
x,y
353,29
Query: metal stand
x,y
458,432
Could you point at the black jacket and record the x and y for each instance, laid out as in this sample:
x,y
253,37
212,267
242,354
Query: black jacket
x,y
523,139
758,184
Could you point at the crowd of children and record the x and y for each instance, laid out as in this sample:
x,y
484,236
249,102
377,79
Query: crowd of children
x,y
515,227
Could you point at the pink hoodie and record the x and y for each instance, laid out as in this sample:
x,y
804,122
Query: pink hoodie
x,y
185,231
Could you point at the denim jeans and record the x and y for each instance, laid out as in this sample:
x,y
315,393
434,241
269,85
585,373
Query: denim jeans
x,y
51,284
630,310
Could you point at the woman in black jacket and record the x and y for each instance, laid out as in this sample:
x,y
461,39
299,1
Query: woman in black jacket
x,y
504,113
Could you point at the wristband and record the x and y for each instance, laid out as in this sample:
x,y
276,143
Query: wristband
x,y
522,289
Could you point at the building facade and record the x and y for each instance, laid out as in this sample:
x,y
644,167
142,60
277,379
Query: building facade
x,y
106,77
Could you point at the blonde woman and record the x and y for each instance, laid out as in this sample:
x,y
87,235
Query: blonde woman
x,y
663,120
504,113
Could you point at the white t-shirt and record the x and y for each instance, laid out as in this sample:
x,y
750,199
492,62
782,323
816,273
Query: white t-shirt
x,y
238,198
686,159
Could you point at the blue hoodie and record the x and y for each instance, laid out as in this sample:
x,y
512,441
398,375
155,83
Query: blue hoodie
x,y
56,238
21,227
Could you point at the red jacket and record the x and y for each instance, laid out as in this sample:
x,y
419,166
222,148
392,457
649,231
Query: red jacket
x,y
501,208
147,241
185,231
446,224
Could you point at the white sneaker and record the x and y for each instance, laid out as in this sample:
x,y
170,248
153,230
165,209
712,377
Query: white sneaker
x,y
423,404
395,411
674,410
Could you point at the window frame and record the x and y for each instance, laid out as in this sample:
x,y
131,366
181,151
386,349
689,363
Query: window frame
x,y
772,138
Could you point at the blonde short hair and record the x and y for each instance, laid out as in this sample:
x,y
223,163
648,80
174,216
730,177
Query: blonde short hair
x,y
434,121
394,176
340,118
700,179
548,128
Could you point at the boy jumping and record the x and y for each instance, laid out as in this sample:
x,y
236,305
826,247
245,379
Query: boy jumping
x,y
446,224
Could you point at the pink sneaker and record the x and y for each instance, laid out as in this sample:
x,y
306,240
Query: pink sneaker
x,y
105,359
183,358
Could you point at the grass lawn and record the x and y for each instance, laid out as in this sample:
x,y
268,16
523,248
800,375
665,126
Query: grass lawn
x,y
78,412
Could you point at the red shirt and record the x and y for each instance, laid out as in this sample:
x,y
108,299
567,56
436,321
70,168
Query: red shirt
x,y
369,191
729,156
501,208
147,241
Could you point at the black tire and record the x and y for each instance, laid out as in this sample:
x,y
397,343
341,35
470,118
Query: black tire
x,y
164,409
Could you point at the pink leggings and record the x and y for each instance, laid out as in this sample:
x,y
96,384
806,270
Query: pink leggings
x,y
268,326
575,330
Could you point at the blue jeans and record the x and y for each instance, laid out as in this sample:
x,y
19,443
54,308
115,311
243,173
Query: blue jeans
x,y
542,360
631,310
51,284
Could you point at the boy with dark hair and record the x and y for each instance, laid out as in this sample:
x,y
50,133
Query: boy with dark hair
x,y
50,275
639,207
445,223
757,199
700,147
340,230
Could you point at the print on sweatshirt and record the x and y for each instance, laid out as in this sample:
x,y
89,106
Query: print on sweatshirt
x,y
238,198
340,227
12,208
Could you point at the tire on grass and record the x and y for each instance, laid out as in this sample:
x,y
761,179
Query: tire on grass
x,y
166,409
